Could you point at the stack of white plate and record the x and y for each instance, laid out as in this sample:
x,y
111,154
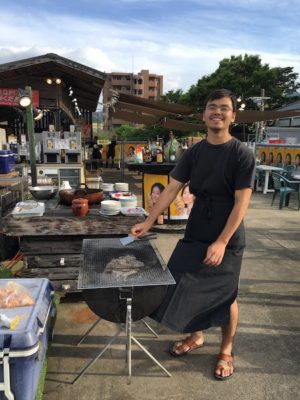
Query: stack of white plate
x,y
121,187
107,187
128,201
110,207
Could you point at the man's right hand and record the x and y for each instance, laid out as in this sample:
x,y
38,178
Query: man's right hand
x,y
139,230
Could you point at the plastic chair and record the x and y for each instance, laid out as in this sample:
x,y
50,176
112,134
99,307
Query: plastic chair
x,y
289,168
259,180
288,171
281,186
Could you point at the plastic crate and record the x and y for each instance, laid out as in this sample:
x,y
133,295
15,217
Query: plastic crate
x,y
23,350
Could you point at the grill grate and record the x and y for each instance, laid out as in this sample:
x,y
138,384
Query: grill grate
x,y
107,263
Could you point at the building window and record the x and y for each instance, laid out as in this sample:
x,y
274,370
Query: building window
x,y
140,81
140,91
295,121
283,122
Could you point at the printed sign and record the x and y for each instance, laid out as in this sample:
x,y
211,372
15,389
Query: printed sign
x,y
10,97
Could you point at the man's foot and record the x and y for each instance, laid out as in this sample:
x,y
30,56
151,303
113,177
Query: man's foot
x,y
224,368
182,347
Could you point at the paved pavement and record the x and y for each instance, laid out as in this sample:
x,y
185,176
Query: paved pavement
x,y
267,345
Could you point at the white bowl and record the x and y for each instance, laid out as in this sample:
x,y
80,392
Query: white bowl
x,y
121,187
110,205
132,203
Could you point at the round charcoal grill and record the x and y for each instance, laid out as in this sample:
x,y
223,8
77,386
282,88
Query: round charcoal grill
x,y
108,304
111,272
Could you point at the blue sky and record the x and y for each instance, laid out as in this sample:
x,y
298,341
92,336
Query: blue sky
x,y
183,40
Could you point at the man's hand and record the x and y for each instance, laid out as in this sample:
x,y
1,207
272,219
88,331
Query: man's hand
x,y
215,254
139,230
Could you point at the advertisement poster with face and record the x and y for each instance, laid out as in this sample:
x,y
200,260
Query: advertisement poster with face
x,y
153,187
181,207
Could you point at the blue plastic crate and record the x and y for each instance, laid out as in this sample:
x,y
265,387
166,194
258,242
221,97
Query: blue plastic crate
x,y
23,350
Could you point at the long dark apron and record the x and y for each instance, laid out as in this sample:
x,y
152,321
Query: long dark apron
x,y
202,295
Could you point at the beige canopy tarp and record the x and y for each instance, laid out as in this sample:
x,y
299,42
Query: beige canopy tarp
x,y
177,116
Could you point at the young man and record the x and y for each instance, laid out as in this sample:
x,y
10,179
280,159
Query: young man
x,y
206,263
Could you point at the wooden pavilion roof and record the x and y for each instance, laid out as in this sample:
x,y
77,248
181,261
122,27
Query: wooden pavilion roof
x,y
86,82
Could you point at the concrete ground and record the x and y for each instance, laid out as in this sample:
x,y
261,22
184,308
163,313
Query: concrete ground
x,y
267,345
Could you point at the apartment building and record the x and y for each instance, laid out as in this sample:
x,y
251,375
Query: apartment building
x,y
143,84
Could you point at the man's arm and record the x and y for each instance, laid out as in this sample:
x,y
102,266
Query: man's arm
x,y
165,199
216,250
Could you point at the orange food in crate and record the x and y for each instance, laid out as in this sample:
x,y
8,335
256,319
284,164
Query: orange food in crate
x,y
14,295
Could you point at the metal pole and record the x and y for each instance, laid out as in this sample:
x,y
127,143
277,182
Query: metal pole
x,y
262,108
30,132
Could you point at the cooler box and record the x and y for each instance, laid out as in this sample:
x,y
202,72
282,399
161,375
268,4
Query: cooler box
x,y
23,349
7,161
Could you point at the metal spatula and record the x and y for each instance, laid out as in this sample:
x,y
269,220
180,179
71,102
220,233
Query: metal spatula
x,y
129,239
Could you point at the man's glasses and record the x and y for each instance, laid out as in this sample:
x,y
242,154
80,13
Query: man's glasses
x,y
214,107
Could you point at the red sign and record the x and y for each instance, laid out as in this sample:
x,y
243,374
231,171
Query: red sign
x,y
86,131
10,97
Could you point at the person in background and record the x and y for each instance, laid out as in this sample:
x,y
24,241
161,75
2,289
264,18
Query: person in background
x,y
97,156
206,263
111,152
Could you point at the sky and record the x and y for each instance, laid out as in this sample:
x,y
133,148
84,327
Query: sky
x,y
180,39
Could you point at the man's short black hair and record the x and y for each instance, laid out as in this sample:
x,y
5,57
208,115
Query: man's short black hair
x,y
218,94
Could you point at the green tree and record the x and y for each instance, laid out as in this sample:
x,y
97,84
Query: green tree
x,y
125,132
174,96
246,75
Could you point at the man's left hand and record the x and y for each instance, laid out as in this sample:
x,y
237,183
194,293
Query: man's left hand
x,y
215,254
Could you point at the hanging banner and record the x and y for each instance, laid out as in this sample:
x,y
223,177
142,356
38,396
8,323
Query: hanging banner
x,y
10,97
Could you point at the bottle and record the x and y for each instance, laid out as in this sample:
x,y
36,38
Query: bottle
x,y
160,220
172,152
159,153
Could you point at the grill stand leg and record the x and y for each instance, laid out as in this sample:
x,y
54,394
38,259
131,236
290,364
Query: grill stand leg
x,y
82,372
88,332
150,329
130,337
97,322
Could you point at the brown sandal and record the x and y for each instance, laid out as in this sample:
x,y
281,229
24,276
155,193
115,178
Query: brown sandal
x,y
180,347
224,363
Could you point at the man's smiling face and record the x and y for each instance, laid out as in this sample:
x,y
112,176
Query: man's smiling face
x,y
219,114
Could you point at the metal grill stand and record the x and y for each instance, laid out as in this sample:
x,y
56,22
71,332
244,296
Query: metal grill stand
x,y
125,294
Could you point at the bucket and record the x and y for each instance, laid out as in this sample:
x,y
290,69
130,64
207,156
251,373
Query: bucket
x,y
7,161
94,183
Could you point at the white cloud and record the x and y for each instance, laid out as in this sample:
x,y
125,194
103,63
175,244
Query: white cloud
x,y
182,51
